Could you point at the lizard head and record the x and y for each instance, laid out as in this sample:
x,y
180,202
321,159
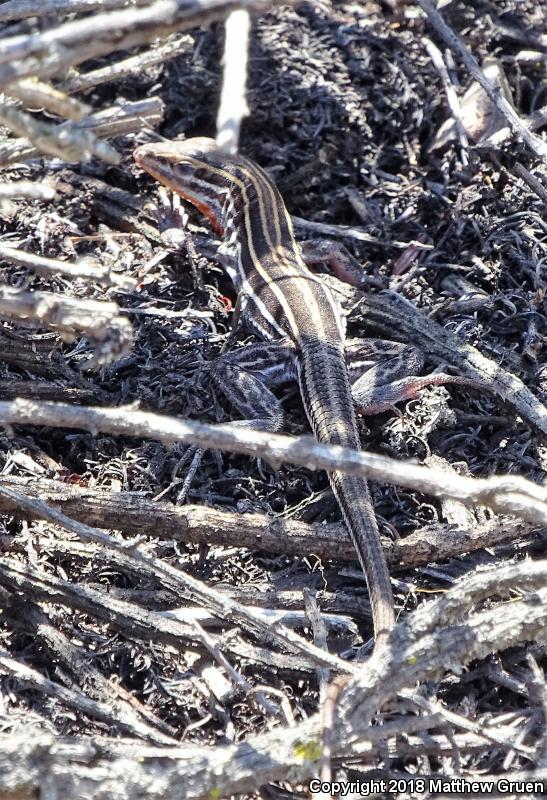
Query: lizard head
x,y
190,169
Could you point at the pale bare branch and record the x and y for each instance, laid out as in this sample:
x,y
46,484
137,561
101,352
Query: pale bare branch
x,y
507,494
233,102
452,40
109,332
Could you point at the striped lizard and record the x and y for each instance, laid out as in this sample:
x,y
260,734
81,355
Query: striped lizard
x,y
302,327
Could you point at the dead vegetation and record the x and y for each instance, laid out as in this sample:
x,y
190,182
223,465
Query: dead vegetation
x,y
171,632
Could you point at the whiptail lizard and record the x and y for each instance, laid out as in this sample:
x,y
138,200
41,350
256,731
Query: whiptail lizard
x,y
301,321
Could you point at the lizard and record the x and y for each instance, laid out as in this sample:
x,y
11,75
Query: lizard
x,y
302,328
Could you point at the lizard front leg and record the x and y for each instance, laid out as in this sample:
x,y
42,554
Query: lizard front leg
x,y
245,377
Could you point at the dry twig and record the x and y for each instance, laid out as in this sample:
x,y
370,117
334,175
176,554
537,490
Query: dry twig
x,y
35,94
19,9
114,121
233,102
34,191
388,313
84,268
133,514
452,40
507,494
174,579
451,96
109,332
54,51
133,65
117,714
414,653
69,140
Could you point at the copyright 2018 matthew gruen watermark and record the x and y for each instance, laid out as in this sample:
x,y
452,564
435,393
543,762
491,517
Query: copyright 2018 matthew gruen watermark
x,y
441,785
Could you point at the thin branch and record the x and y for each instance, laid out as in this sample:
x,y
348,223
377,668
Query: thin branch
x,y
109,332
418,646
84,268
54,51
114,121
29,751
291,753
19,9
68,141
133,514
533,183
133,65
451,96
174,579
233,102
507,494
136,622
62,647
452,40
235,676
481,584
117,715
347,232
389,312
36,94
291,618
34,191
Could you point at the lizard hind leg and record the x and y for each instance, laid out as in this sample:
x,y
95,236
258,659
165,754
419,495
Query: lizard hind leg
x,y
383,373
379,371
